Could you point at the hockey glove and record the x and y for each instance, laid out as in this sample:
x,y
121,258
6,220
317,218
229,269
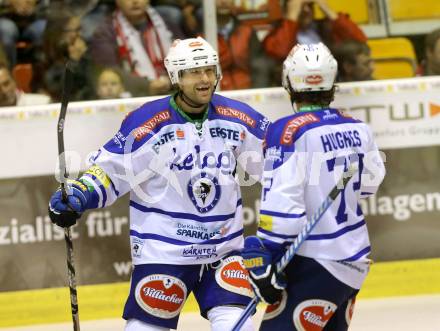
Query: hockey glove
x,y
267,284
65,213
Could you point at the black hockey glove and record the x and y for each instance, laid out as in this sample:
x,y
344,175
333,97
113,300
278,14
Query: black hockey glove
x,y
267,284
65,213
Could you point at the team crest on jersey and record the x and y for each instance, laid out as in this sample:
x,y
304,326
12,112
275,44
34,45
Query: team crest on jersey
x,y
313,314
233,277
204,192
161,295
275,309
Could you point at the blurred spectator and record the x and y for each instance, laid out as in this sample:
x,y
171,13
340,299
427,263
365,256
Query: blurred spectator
x,y
300,26
430,66
181,16
242,58
11,96
22,21
136,40
354,61
63,42
94,14
109,85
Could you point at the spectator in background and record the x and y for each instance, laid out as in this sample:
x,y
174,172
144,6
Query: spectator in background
x,y
430,66
22,21
300,26
63,42
94,14
10,96
181,16
243,61
136,40
109,85
354,61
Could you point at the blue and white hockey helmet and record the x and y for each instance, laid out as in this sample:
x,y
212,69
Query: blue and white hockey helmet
x,y
309,68
188,54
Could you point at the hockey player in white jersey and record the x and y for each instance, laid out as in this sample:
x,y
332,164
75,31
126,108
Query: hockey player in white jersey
x,y
305,156
177,158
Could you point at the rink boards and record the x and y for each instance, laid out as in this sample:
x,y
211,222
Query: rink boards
x,y
386,279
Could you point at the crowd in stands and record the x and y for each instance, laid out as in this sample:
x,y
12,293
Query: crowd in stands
x,y
119,45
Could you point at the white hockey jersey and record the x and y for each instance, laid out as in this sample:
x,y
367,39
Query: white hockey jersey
x,y
305,156
185,201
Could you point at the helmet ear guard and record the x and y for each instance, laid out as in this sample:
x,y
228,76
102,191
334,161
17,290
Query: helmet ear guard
x,y
190,53
309,68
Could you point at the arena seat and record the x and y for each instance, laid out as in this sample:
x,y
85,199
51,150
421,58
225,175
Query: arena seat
x,y
393,58
404,10
358,13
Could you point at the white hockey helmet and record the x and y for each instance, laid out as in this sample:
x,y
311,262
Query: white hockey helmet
x,y
309,68
190,53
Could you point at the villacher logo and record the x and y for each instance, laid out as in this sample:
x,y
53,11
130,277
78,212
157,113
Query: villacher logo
x,y
161,295
313,314
234,277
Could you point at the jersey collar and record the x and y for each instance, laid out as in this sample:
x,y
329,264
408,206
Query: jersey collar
x,y
310,108
185,115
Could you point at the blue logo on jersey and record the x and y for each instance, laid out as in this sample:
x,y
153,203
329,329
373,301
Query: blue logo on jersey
x,y
204,192
225,161
200,252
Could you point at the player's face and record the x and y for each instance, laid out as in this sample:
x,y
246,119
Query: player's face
x,y
198,83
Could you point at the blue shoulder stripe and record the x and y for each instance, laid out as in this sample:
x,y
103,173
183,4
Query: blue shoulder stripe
x,y
285,131
142,124
239,112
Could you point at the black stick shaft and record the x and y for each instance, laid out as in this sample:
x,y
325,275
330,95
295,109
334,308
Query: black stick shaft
x,y
67,87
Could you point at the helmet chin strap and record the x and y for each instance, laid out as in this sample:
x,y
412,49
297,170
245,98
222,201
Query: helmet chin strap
x,y
292,101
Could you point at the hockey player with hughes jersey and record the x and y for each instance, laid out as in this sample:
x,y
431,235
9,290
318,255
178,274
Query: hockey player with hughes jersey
x,y
305,156
177,157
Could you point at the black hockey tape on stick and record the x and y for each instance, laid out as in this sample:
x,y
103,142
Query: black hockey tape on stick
x,y
299,240
67,88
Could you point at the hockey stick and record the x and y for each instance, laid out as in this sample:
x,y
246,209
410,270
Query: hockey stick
x,y
299,240
67,87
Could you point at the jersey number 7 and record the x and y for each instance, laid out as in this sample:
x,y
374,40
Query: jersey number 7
x,y
346,161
